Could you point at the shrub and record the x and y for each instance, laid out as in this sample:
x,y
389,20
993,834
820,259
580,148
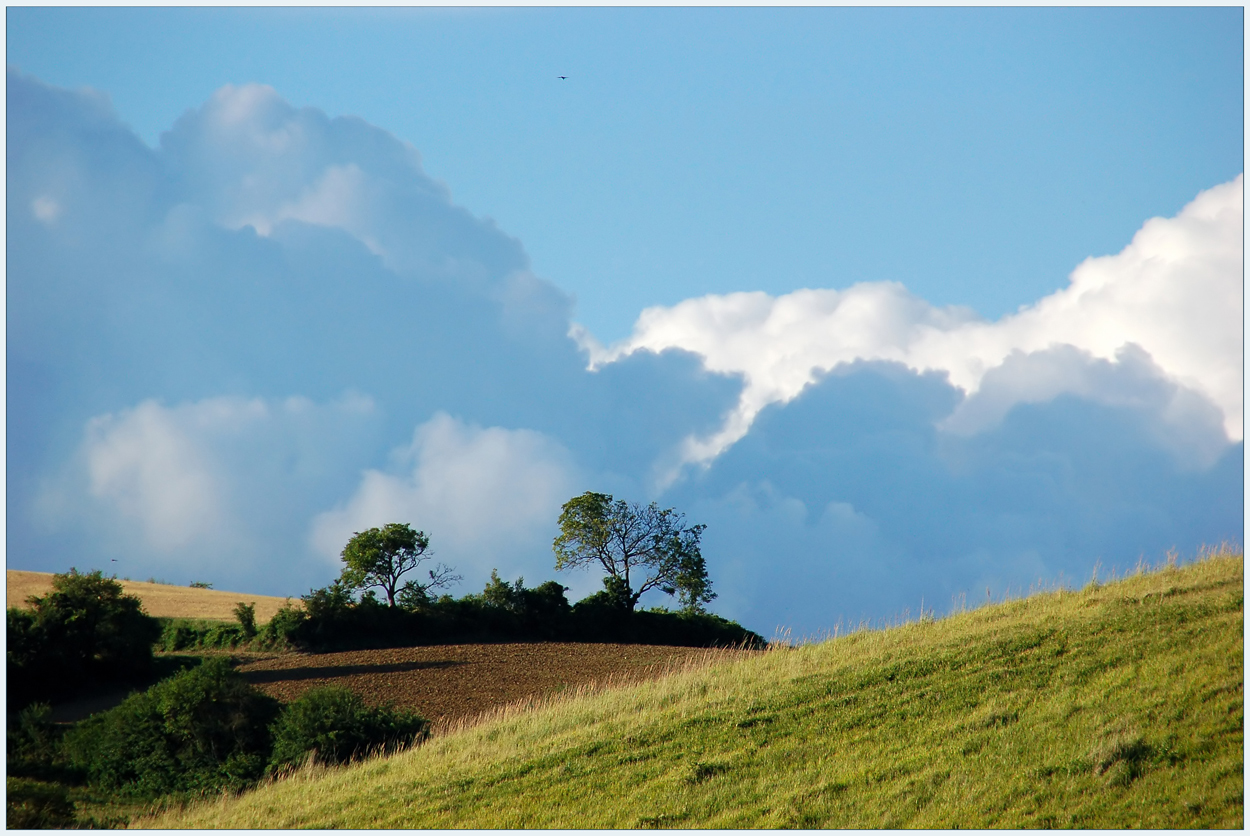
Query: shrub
x,y
205,728
282,628
336,725
246,614
85,630
36,805
33,746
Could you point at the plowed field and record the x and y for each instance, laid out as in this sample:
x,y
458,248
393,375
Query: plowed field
x,y
451,683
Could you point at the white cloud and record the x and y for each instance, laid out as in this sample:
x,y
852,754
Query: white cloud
x,y
1190,425
249,158
152,466
488,497
1175,292
224,480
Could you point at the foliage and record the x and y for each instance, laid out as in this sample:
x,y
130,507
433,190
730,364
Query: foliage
x,y
84,631
335,725
201,585
33,746
199,634
1117,706
281,629
640,547
379,557
246,615
36,805
332,620
205,728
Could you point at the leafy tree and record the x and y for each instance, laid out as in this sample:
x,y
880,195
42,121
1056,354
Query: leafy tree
x,y
502,595
641,547
379,557
85,629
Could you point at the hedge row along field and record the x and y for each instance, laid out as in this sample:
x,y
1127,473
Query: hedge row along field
x,y
1115,706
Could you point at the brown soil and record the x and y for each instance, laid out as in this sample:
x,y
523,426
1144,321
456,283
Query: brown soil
x,y
159,599
452,683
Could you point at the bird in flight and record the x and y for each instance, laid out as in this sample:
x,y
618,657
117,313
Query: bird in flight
x,y
561,77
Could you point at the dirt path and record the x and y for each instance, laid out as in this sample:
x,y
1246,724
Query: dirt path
x,y
448,683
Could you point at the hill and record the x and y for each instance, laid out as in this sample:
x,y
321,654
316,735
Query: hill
x,y
159,599
1118,705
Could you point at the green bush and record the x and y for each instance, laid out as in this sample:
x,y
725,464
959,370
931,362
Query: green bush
x,y
336,725
205,728
33,746
84,631
281,629
36,805
246,614
202,634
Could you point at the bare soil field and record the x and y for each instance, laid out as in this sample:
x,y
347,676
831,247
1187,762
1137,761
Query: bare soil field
x,y
160,600
452,683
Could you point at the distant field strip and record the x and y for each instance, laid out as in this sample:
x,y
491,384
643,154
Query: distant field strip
x,y
1120,705
160,600
452,683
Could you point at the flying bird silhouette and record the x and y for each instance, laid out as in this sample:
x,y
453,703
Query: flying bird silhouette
x,y
561,77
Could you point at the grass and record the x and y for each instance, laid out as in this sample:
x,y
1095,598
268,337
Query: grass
x,y
159,600
1114,706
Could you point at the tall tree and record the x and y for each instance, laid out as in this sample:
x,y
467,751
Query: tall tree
x,y
641,547
381,556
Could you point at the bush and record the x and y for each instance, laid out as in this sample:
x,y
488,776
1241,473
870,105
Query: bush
x,y
199,634
282,628
33,746
36,805
246,614
336,725
205,728
84,631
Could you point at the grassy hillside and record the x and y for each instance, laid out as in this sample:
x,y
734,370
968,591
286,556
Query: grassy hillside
x,y
1118,705
159,599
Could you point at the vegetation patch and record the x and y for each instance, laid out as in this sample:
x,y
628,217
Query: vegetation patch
x,y
1120,705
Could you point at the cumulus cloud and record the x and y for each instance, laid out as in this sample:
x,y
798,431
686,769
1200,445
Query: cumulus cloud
x,y
488,497
151,465
1175,292
213,484
864,448
251,159
849,502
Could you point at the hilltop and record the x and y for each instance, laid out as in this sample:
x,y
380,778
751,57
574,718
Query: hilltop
x,y
159,599
1117,705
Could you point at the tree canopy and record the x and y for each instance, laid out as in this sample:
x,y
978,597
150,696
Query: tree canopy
x,y
641,547
379,557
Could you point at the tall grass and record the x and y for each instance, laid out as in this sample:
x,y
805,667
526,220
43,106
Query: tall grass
x,y
1116,705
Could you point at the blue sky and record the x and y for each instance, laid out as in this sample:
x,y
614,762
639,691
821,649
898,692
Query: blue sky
x,y
910,329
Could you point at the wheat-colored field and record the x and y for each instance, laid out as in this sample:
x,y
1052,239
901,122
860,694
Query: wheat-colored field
x,y
160,600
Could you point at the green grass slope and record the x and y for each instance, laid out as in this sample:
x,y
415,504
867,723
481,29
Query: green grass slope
x,y
1119,705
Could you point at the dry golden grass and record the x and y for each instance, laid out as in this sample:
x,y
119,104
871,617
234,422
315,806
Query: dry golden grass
x,y
160,600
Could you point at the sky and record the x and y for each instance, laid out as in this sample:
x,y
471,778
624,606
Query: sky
x,y
904,304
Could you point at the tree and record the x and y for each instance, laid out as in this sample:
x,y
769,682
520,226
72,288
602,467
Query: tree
x,y
85,629
380,556
635,544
